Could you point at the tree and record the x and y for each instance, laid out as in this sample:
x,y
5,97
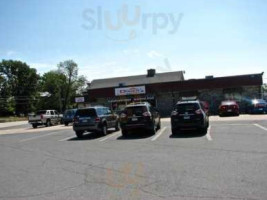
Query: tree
x,y
73,82
52,83
18,85
63,85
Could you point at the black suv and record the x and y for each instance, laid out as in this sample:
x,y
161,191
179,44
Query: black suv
x,y
189,115
139,116
94,119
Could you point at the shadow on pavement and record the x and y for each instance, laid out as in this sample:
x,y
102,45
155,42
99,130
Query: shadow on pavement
x,y
188,134
135,135
89,136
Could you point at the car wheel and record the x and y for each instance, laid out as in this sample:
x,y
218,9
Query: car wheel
x,y
79,134
117,127
175,131
34,126
154,129
48,123
104,129
159,125
66,123
204,130
124,133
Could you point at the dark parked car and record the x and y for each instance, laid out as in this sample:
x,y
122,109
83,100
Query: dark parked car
x,y
69,116
228,108
140,116
257,106
189,115
94,119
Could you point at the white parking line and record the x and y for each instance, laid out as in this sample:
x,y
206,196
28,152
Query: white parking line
x,y
231,124
208,136
40,136
68,138
262,127
157,135
110,136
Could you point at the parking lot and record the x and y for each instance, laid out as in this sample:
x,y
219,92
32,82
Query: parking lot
x,y
229,162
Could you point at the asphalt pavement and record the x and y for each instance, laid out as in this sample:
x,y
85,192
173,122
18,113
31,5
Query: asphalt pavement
x,y
229,162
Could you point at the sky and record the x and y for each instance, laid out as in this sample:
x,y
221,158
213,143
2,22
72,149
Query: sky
x,y
122,38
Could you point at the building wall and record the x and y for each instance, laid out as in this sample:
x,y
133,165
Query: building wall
x,y
166,100
165,103
239,88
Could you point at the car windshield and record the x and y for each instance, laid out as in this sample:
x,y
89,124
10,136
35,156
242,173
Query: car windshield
x,y
86,113
135,110
185,107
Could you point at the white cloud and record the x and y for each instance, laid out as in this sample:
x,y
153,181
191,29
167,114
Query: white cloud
x,y
154,54
11,53
131,51
43,67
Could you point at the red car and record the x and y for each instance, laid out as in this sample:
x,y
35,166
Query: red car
x,y
228,108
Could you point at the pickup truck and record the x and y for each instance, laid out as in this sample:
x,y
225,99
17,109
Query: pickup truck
x,y
45,117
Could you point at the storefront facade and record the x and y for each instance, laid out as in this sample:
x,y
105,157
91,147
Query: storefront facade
x,y
164,94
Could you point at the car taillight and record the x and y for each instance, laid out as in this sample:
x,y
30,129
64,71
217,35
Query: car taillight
x,y
174,113
42,116
76,119
147,114
198,112
97,119
223,107
123,115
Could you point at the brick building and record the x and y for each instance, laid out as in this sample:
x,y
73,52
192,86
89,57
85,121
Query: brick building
x,y
164,89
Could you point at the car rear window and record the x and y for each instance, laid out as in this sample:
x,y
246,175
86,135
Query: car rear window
x,y
136,110
187,107
41,112
69,112
228,103
86,113
260,101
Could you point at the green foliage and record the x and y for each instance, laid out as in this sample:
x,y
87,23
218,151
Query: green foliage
x,y
74,83
52,83
62,85
18,87
22,89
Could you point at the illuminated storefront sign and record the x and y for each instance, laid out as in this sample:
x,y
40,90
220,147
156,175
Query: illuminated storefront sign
x,y
130,91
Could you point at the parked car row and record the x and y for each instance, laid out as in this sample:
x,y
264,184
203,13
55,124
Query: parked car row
x,y
255,106
141,116
187,114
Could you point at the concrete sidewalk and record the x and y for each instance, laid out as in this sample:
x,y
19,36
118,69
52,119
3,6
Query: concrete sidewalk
x,y
10,124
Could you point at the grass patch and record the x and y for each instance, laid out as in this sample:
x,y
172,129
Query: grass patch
x,y
12,119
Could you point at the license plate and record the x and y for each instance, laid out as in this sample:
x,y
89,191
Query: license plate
x,y
261,109
134,119
229,110
85,120
186,117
